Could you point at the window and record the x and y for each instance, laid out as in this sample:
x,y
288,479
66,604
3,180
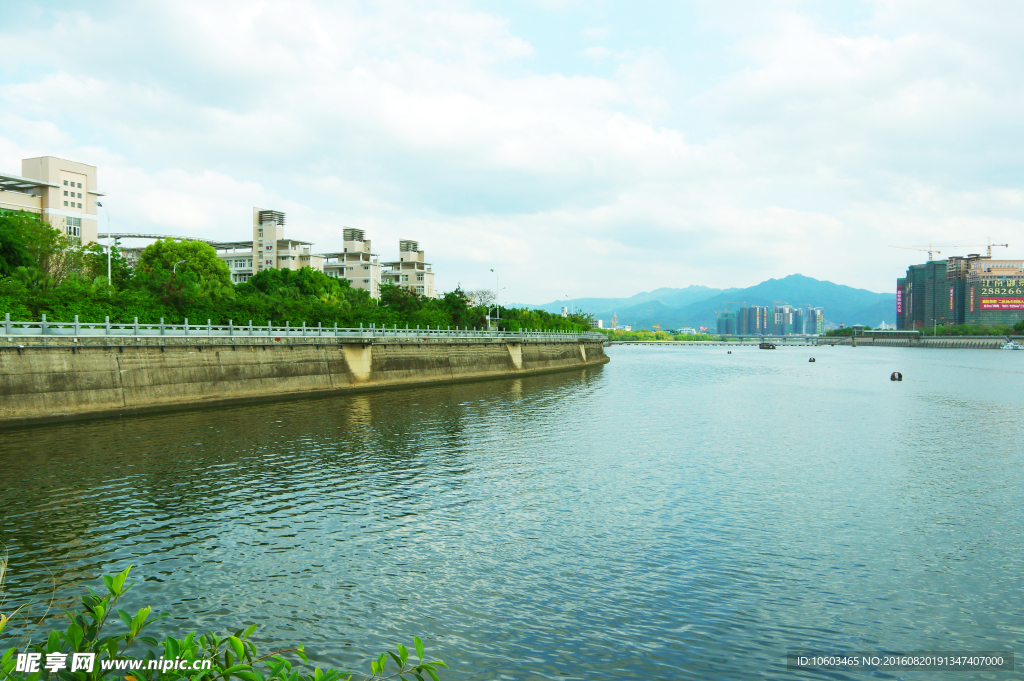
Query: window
x,y
79,193
65,192
65,203
74,226
79,205
65,184
419,289
405,277
261,232
366,267
419,277
79,186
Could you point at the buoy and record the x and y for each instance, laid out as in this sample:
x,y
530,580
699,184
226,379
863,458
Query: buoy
x,y
811,359
896,376
729,353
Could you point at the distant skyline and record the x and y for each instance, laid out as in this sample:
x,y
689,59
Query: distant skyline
x,y
594,149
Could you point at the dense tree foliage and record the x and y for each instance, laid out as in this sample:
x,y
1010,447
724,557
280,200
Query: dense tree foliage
x,y
41,272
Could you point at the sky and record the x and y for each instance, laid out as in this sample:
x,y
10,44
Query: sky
x,y
576,148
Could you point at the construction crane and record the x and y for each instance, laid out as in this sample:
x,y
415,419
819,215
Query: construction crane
x,y
615,321
656,327
930,250
988,245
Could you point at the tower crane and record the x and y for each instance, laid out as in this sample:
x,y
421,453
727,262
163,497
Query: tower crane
x,y
928,250
988,245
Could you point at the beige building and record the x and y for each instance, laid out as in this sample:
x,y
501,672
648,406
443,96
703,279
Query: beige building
x,y
411,270
269,249
356,262
63,192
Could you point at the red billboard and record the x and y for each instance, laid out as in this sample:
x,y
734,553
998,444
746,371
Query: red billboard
x,y
1000,303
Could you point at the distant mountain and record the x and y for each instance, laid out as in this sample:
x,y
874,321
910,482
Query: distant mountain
x,y
699,306
670,297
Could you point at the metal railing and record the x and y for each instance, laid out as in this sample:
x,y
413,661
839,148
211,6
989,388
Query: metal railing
x,y
108,328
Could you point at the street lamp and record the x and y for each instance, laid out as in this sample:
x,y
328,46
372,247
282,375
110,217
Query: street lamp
x,y
497,307
174,270
110,241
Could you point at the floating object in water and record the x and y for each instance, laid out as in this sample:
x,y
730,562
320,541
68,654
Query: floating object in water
x,y
1012,345
811,359
729,353
896,376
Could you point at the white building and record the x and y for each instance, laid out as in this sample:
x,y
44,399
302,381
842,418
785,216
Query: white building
x,y
269,249
356,262
411,270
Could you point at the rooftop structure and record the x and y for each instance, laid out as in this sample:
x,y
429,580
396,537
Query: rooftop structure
x,y
356,263
411,270
63,192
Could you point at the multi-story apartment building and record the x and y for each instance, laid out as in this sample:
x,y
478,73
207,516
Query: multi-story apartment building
x,y
269,249
356,262
63,192
411,270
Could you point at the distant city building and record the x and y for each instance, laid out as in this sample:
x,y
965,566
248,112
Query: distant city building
x,y
356,263
814,324
565,311
688,331
597,323
63,192
782,320
411,270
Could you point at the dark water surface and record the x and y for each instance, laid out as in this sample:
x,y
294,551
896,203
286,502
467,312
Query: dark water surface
x,y
679,513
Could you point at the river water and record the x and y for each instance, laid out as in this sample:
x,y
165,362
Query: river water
x,y
680,513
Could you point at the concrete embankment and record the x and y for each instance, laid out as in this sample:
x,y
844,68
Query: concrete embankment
x,y
976,342
48,379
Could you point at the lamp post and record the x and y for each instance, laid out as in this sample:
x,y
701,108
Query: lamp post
x,y
110,241
497,306
174,270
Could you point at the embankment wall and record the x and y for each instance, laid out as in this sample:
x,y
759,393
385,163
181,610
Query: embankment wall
x,y
951,342
44,380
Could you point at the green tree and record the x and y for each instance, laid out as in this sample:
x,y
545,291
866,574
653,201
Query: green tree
x,y
198,258
13,249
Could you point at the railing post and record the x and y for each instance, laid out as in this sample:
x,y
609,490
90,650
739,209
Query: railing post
x,y
186,327
335,329
76,325
106,325
137,326
287,328
42,326
231,330
303,329
7,323
162,331
319,329
209,327
250,327
268,327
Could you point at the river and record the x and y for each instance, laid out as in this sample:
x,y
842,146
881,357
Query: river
x,y
680,513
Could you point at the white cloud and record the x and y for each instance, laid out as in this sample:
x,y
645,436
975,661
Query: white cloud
x,y
828,142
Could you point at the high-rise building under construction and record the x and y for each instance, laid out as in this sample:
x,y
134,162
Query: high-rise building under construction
x,y
973,289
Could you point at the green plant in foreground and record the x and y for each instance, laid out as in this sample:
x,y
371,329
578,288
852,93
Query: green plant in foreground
x,y
206,657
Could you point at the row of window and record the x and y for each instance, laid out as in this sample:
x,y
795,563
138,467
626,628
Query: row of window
x,y
73,204
74,226
71,184
73,194
239,263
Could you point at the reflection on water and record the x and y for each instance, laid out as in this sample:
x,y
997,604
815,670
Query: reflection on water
x,y
675,512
